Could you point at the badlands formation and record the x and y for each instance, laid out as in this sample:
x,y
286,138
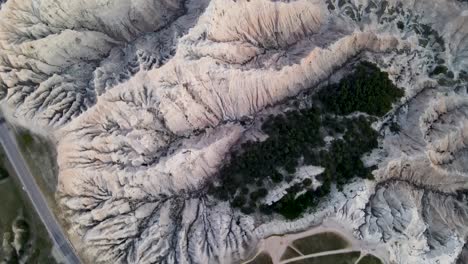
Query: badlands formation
x,y
146,98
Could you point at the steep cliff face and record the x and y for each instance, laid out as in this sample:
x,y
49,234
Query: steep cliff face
x,y
146,98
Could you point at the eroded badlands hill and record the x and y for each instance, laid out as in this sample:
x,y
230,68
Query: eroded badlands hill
x,y
146,98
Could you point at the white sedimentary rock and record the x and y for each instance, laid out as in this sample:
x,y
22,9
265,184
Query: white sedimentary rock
x,y
49,49
146,97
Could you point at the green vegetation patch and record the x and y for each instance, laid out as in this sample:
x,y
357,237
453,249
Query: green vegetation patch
x,y
17,213
3,173
40,156
290,138
326,241
11,204
290,135
370,259
400,25
439,69
367,90
296,138
32,235
429,37
25,139
345,258
262,258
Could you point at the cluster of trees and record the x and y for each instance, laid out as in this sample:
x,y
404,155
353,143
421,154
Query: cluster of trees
x,y
367,90
298,135
440,69
289,136
342,162
292,205
292,136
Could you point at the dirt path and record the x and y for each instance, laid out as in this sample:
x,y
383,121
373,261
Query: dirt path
x,y
276,245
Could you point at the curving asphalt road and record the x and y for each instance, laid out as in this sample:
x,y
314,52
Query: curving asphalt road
x,y
35,195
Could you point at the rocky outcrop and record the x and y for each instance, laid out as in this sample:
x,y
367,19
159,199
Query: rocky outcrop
x,y
146,99
50,49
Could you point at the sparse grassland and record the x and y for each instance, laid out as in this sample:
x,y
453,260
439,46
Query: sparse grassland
x,y
16,213
370,259
11,202
262,258
326,241
289,253
40,156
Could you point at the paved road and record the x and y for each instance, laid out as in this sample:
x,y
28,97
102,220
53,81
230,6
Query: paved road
x,y
35,195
